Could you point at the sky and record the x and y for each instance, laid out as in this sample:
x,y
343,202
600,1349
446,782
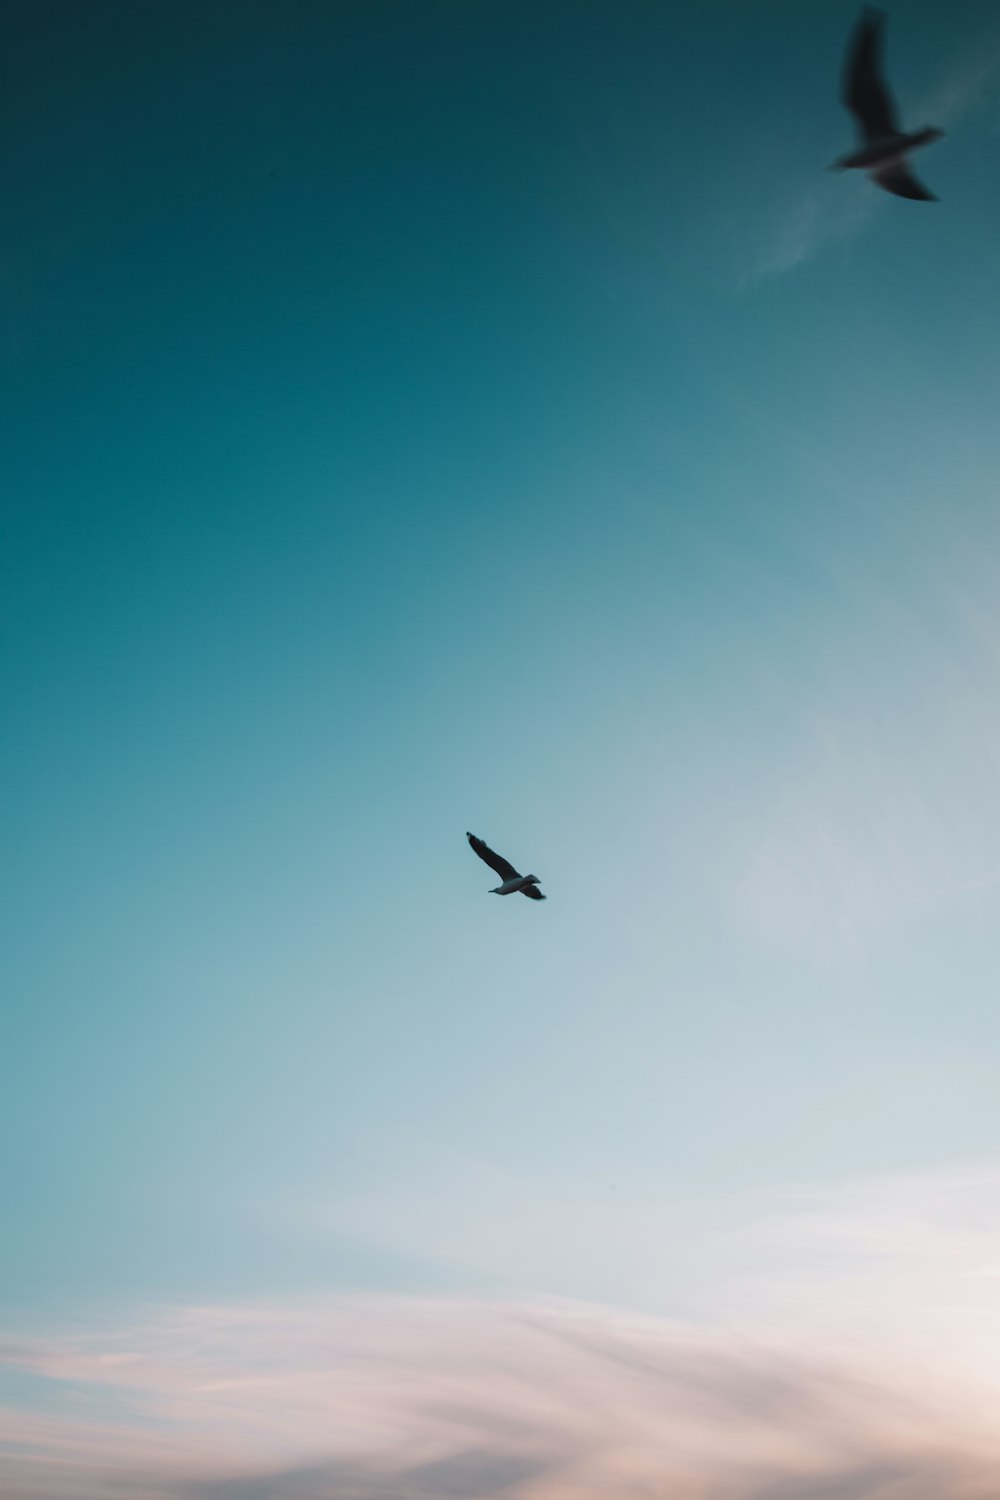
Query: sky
x,y
427,417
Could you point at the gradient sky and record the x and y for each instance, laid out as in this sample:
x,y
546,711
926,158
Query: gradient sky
x,y
427,417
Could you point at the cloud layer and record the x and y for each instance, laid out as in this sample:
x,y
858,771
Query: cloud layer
x,y
852,1355
363,1399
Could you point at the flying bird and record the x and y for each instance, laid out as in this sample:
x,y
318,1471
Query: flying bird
x,y
884,147
512,881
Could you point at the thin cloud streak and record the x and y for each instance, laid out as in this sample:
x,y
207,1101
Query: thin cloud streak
x,y
969,87
830,213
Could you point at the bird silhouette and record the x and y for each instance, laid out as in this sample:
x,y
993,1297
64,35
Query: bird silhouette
x,y
512,881
884,146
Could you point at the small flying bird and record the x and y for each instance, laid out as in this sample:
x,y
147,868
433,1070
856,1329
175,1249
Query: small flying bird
x,y
512,881
884,147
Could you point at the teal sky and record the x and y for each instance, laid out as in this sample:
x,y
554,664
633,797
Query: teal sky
x,y
427,417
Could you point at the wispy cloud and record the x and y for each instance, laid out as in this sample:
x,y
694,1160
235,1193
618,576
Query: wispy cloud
x,y
805,222
379,1398
968,87
861,1363
875,828
883,816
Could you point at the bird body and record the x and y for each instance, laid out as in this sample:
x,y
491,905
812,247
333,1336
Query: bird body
x,y
511,880
884,146
877,155
510,886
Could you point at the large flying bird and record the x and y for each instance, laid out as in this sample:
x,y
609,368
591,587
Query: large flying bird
x,y
512,881
884,147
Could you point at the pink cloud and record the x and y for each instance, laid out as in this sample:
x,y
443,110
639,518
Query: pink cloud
x,y
366,1398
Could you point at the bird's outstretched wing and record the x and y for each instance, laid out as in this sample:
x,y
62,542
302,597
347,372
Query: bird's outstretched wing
x,y
533,892
496,862
898,179
865,93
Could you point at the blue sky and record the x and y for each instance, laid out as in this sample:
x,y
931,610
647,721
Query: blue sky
x,y
420,418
